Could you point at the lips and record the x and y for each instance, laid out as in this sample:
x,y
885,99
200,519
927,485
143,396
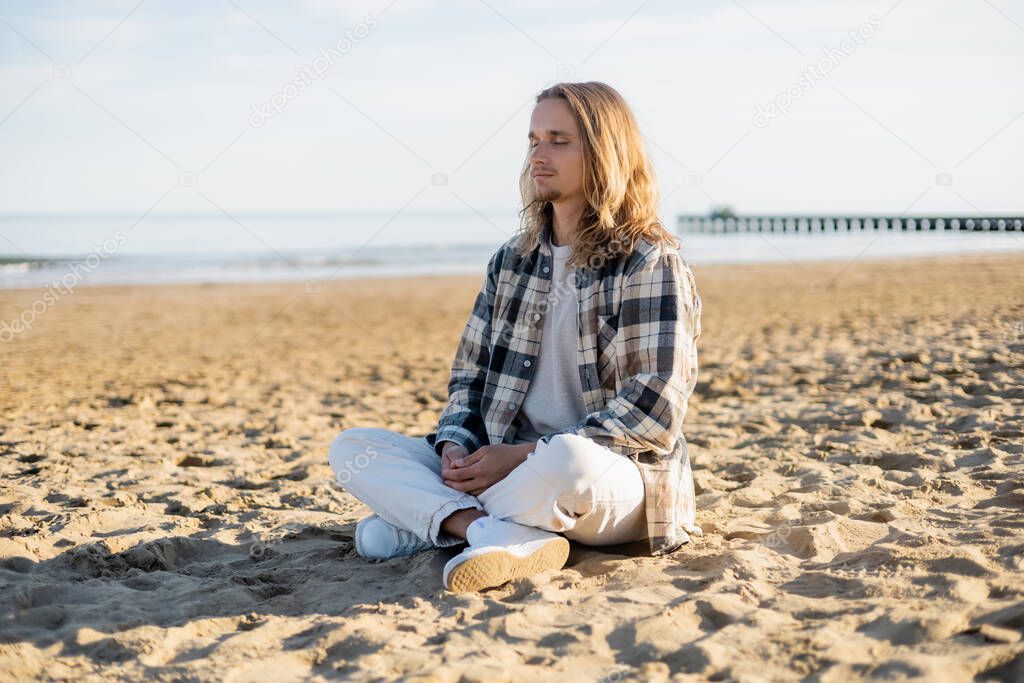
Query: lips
x,y
543,175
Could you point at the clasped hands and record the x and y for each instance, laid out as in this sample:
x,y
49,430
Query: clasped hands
x,y
476,472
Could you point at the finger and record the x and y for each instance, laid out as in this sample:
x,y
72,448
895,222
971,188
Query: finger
x,y
468,460
466,472
452,475
461,474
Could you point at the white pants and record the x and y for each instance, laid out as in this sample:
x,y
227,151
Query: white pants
x,y
570,486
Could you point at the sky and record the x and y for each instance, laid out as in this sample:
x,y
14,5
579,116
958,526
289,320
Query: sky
x,y
770,106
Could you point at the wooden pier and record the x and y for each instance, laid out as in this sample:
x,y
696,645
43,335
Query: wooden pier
x,y
821,223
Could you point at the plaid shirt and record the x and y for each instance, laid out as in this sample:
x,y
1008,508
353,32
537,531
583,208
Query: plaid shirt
x,y
639,319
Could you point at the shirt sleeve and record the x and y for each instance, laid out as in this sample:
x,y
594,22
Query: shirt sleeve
x,y
462,420
659,323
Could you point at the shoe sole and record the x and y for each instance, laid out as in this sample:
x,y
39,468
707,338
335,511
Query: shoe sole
x,y
496,568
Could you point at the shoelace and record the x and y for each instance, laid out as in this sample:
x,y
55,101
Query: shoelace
x,y
407,540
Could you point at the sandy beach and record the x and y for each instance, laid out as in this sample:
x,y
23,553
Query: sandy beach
x,y
857,438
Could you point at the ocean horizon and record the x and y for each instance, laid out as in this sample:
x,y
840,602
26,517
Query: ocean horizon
x,y
39,250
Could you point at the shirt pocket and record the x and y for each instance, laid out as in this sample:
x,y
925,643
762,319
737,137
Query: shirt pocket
x,y
501,330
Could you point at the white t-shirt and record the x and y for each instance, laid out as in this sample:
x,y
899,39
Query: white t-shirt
x,y
554,399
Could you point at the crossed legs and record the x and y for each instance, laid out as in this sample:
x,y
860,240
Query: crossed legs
x,y
570,486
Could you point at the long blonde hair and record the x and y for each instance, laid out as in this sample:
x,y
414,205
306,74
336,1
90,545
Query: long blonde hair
x,y
618,181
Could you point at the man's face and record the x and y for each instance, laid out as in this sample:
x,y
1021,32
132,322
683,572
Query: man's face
x,y
556,152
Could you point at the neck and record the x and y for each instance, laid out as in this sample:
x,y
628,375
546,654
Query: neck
x,y
565,221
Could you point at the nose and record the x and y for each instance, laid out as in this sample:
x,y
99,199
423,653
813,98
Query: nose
x,y
537,158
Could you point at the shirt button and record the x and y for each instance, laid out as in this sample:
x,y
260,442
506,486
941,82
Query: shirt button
x,y
536,316
526,363
511,406
546,269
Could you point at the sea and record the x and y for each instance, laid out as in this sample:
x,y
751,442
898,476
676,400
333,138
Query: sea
x,y
39,250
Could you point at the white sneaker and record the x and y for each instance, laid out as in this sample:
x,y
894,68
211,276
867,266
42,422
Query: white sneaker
x,y
381,540
500,551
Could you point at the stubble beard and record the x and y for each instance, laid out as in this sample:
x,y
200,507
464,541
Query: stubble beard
x,y
548,194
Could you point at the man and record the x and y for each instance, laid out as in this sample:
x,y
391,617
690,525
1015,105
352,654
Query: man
x,y
570,382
